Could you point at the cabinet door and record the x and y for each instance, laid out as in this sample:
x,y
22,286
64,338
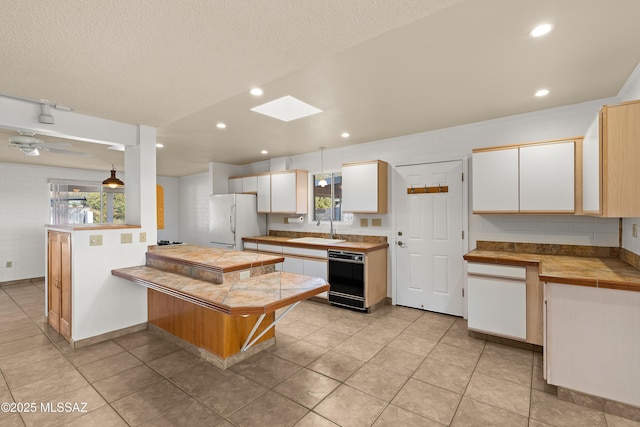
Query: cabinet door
x,y
250,184
65,285
361,192
235,185
283,192
495,181
293,265
591,171
53,279
547,179
264,193
315,268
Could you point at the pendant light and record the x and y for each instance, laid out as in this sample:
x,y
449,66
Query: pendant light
x,y
323,182
112,181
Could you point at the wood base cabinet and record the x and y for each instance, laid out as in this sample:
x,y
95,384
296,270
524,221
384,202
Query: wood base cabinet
x,y
59,282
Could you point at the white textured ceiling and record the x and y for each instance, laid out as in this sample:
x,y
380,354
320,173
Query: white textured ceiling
x,y
377,68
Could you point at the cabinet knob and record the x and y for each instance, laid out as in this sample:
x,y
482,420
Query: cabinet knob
x,y
400,243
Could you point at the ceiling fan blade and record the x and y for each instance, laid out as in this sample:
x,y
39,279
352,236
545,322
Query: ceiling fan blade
x,y
24,139
55,145
68,152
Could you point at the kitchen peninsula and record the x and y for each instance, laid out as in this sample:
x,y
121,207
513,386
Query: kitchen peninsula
x,y
218,303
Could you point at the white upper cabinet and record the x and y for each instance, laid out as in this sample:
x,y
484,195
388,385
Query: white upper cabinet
x,y
364,187
547,177
250,184
235,185
264,193
495,180
610,162
289,192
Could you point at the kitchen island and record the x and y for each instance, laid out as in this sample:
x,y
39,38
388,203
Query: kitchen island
x,y
218,303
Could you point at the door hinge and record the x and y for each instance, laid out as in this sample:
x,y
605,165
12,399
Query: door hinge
x,y
463,234
462,292
462,176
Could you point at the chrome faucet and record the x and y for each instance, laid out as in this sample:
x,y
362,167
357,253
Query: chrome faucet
x,y
331,233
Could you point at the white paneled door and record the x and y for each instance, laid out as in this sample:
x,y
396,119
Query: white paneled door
x,y
429,245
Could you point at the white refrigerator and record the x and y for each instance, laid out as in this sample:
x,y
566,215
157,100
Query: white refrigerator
x,y
232,217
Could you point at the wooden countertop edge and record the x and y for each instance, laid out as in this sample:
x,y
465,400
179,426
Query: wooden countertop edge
x,y
564,280
222,308
343,245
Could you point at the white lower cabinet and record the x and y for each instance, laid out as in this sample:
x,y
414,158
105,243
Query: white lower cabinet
x,y
293,265
591,342
315,268
497,300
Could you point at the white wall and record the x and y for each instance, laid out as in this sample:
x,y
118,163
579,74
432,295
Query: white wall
x,y
24,210
171,230
193,208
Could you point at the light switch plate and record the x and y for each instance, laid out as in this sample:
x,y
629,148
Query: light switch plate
x,y
364,222
9,264
143,237
245,274
376,222
126,238
95,240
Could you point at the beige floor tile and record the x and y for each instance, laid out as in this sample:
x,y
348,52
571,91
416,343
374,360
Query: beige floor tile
x,y
425,331
299,329
314,420
270,409
550,410
516,355
191,415
151,401
126,382
11,420
109,366
13,325
349,407
616,421
307,387
377,335
28,357
154,350
266,369
399,361
392,323
444,375
462,340
336,365
505,369
17,334
394,416
358,348
536,423
405,313
415,345
503,394
377,381
174,362
452,355
326,337
80,396
62,381
137,339
23,344
622,410
350,325
92,353
301,352
439,320
27,373
539,383
103,417
429,401
472,413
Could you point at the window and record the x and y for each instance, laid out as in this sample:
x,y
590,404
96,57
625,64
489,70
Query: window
x,y
327,200
77,202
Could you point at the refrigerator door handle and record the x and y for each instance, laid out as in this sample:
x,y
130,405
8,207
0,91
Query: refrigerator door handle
x,y
232,219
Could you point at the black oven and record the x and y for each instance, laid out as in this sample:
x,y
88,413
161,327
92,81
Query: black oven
x,y
346,278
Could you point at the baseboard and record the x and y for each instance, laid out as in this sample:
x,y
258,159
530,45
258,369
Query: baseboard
x,y
108,336
31,281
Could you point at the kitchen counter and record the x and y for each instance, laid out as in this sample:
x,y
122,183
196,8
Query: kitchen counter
x,y
348,246
611,273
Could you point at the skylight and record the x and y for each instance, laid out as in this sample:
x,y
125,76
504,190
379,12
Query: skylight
x,y
286,109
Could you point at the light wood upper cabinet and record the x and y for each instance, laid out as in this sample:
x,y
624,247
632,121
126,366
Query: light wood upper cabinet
x,y
59,282
526,178
289,192
547,177
264,193
364,187
611,176
495,180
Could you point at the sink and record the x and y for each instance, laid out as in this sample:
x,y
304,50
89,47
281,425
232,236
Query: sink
x,y
316,240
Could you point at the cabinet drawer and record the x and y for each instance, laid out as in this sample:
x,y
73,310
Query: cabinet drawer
x,y
250,246
306,252
506,271
270,248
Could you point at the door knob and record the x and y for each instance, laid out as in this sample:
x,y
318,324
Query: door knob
x,y
400,243
399,233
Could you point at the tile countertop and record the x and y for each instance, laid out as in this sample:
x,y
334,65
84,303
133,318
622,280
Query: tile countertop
x,y
257,295
611,273
285,241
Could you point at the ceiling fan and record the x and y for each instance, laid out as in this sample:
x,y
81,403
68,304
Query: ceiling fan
x,y
32,146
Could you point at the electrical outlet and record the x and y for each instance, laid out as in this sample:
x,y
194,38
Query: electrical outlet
x,y
364,222
9,264
634,230
126,238
143,237
245,274
376,222
95,240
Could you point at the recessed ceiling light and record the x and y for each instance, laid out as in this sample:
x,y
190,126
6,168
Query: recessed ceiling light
x,y
286,109
542,92
264,152
159,145
345,135
221,125
256,91
541,30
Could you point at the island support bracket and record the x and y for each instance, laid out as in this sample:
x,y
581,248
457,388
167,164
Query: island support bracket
x,y
248,343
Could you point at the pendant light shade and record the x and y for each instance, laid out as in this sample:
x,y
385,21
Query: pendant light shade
x,y
112,181
323,182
